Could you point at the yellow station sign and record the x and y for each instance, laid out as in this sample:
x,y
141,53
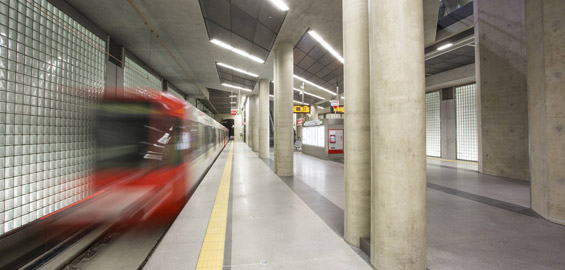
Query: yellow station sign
x,y
301,109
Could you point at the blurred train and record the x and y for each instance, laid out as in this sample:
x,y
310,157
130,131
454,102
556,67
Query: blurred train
x,y
152,149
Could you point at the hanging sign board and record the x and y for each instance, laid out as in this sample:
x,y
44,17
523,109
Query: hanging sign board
x,y
233,111
338,109
301,109
334,103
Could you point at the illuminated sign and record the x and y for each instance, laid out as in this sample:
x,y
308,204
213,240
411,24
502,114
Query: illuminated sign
x,y
338,109
301,109
233,111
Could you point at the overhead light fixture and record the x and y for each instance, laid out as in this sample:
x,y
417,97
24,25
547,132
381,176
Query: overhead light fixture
x,y
237,69
280,4
326,45
236,50
272,96
233,102
342,97
443,47
233,96
321,108
315,85
236,87
298,90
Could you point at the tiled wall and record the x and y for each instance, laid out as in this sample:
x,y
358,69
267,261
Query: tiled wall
x,y
467,133
136,76
51,71
433,122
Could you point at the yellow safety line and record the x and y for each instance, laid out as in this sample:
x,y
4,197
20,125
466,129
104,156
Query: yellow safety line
x,y
456,161
212,251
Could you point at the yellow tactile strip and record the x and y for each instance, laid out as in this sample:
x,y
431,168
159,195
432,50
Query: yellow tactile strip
x,y
212,251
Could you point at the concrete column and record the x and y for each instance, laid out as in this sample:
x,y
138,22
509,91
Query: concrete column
x,y
357,126
299,128
546,90
500,62
398,144
250,121
256,116
283,110
313,112
264,131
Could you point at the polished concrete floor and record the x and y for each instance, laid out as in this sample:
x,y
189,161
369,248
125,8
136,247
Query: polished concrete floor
x,y
474,221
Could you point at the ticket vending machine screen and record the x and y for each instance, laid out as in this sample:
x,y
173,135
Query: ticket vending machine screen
x,y
332,139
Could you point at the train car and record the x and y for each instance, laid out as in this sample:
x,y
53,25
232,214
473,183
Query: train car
x,y
152,149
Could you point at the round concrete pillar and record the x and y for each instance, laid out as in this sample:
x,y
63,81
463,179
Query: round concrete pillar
x,y
398,146
357,125
284,139
256,116
264,127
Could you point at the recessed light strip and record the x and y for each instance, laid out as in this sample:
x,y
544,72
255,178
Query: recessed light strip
x,y
236,87
315,85
443,47
298,90
280,4
237,69
326,45
236,50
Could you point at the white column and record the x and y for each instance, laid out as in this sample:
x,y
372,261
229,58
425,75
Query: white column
x,y
398,146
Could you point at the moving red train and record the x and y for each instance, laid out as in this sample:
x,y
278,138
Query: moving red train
x,y
152,149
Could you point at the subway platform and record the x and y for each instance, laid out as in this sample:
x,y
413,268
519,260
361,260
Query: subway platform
x,y
244,216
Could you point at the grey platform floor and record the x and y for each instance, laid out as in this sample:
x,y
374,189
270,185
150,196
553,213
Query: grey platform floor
x,y
297,222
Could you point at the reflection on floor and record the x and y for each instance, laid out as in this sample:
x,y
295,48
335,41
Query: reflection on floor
x,y
475,221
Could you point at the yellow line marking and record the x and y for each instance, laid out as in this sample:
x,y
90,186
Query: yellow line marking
x,y
456,161
212,251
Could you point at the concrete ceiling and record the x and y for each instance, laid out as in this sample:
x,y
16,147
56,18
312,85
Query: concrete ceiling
x,y
185,56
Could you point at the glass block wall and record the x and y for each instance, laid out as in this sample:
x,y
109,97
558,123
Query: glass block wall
x,y
136,76
51,72
467,132
433,122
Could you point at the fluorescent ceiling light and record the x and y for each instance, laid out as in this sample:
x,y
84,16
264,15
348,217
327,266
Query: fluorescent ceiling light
x,y
313,84
320,107
238,70
233,96
237,87
280,4
308,93
238,51
443,47
233,102
272,96
342,97
325,45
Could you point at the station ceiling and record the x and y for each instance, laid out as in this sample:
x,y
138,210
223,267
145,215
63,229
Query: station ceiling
x,y
186,57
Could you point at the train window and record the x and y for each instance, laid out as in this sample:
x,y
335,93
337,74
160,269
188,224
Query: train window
x,y
132,135
119,133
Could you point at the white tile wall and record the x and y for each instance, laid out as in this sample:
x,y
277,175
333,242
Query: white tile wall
x,y
467,131
136,76
51,71
433,125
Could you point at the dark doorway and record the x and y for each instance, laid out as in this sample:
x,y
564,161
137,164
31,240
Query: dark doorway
x,y
228,123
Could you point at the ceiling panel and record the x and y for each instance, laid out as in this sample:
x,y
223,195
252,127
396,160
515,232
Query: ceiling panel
x,y
457,58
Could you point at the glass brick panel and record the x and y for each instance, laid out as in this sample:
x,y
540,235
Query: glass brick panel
x,y
51,72
433,121
136,76
467,136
